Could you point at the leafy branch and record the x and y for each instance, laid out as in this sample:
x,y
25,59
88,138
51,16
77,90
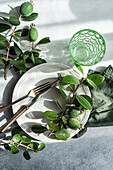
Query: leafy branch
x,y
70,117
12,44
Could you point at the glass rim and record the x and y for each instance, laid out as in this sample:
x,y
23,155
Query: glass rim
x,y
90,30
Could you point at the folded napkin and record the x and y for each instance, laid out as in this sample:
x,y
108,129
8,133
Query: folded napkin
x,y
102,112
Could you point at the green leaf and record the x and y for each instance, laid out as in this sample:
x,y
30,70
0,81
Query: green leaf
x,y
70,79
26,155
63,93
15,38
18,51
96,78
16,130
36,50
2,38
4,27
62,134
22,32
18,64
1,62
13,20
25,139
4,18
64,120
41,146
12,51
91,83
84,101
16,138
79,68
53,126
14,10
32,58
32,17
50,115
33,145
14,149
25,55
25,43
3,45
39,60
6,146
38,128
43,41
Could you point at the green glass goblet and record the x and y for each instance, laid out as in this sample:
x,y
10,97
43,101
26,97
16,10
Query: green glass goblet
x,y
87,47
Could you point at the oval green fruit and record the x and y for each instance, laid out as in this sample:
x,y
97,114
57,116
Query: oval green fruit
x,y
62,134
74,113
33,34
26,9
73,123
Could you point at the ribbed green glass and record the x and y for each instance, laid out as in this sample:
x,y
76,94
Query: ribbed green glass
x,y
87,47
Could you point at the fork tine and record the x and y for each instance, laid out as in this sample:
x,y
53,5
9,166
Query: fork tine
x,y
41,86
45,86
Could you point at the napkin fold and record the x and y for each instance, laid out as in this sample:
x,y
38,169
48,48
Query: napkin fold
x,y
102,111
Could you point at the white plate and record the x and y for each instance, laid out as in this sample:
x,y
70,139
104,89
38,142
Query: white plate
x,y
34,115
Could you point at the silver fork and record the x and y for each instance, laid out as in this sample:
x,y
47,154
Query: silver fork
x,y
32,93
39,92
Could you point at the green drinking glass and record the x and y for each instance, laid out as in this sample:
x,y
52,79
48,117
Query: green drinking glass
x,y
87,47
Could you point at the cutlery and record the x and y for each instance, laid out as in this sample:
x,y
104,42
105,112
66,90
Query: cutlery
x,y
40,92
32,93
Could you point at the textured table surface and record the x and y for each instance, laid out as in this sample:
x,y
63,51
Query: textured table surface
x,y
60,19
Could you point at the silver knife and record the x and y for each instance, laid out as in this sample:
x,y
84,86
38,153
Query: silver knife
x,y
23,108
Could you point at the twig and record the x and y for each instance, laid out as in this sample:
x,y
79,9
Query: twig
x,y
22,145
9,50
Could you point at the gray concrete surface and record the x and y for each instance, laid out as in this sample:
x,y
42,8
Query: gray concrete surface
x,y
60,19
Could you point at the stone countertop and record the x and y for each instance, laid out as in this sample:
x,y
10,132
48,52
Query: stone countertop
x,y
60,19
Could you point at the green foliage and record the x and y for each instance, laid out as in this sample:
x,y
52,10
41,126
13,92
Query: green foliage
x,y
85,101
18,51
13,20
3,45
18,64
79,68
64,120
16,130
22,32
41,146
14,149
32,17
50,115
70,79
4,27
53,126
62,134
63,93
2,38
96,78
25,43
26,155
25,139
91,83
38,128
7,147
32,58
15,38
16,138
43,41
